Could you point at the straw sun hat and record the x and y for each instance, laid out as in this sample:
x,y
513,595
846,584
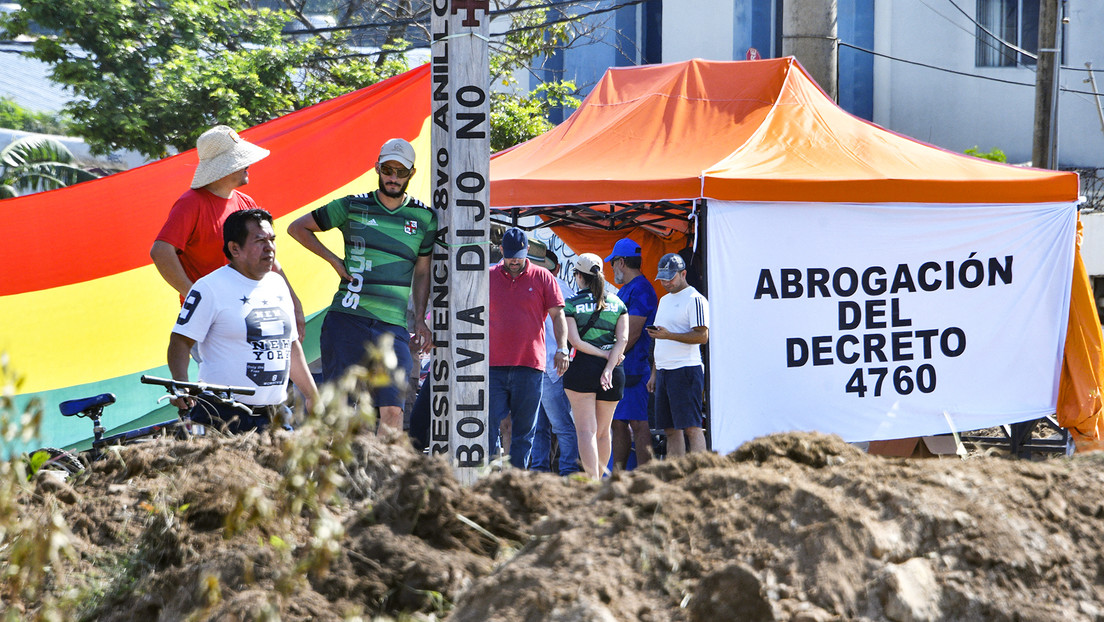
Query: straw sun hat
x,y
221,152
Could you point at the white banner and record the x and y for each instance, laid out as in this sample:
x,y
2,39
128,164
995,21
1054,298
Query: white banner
x,y
885,321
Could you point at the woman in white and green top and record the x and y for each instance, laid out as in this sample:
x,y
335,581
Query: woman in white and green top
x,y
598,328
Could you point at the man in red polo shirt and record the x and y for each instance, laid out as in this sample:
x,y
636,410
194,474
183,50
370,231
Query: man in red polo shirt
x,y
521,295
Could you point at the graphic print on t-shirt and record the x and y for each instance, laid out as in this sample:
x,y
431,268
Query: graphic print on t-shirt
x,y
188,307
269,332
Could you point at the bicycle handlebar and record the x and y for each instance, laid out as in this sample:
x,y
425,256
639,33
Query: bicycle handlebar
x,y
195,388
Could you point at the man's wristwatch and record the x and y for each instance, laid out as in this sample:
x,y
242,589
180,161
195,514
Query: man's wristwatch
x,y
564,351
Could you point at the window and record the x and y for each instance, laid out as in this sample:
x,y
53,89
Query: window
x,y
1014,23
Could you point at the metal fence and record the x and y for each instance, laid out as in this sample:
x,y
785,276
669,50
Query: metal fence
x,y
1092,187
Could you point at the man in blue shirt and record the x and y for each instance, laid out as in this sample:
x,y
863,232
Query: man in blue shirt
x,y
630,420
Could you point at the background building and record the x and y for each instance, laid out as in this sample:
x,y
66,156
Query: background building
x,y
957,74
932,70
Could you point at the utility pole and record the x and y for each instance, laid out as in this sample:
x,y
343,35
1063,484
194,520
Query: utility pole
x,y
809,33
1096,94
1044,139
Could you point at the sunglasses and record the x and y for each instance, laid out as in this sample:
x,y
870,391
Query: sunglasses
x,y
401,173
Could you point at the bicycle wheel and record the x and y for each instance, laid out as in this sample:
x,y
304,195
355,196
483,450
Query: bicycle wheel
x,y
60,460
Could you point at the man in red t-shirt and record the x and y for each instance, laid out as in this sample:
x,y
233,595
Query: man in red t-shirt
x,y
189,245
521,295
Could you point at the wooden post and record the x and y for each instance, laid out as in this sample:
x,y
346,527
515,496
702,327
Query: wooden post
x,y
461,179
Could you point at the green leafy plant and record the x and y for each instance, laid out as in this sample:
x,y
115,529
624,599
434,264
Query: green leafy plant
x,y
516,118
39,460
32,546
36,163
152,76
995,154
15,117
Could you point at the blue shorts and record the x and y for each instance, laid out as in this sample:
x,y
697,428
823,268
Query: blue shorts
x,y
634,402
343,342
678,397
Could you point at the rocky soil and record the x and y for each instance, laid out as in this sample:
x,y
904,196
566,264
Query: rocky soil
x,y
798,527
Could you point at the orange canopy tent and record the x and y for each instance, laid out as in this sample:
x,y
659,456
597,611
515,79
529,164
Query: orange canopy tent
x,y
651,145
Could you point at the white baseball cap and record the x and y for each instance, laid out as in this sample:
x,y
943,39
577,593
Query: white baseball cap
x,y
588,263
397,150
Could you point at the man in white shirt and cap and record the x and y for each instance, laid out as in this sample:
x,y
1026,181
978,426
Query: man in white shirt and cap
x,y
678,376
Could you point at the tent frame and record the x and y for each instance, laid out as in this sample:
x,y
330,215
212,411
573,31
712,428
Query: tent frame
x,y
758,132
1018,439
607,216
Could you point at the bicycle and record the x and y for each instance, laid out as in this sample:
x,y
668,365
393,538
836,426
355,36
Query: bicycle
x,y
182,427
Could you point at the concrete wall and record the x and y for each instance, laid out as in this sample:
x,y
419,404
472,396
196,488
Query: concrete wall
x,y
699,30
1092,245
958,111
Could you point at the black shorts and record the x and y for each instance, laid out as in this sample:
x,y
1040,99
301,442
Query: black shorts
x,y
584,375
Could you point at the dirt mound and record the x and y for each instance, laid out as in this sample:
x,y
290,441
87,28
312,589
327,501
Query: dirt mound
x,y
792,527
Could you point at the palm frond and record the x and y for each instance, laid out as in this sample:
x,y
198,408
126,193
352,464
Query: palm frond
x,y
36,163
35,148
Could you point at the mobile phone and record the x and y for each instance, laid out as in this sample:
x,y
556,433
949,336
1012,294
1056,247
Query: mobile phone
x,y
651,327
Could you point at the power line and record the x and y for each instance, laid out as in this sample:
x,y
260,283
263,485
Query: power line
x,y
1001,41
544,24
944,69
962,73
424,21
995,37
971,34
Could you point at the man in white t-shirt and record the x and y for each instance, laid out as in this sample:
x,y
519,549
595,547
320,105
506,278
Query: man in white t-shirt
x,y
678,376
241,320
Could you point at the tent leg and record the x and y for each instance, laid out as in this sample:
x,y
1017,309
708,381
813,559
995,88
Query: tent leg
x,y
1019,435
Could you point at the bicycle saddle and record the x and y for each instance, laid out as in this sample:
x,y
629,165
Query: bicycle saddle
x,y
78,406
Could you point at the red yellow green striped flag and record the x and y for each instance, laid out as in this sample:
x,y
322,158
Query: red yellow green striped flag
x,y
84,311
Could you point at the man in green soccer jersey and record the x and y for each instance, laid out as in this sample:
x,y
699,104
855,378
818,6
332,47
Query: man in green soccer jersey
x,y
388,240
